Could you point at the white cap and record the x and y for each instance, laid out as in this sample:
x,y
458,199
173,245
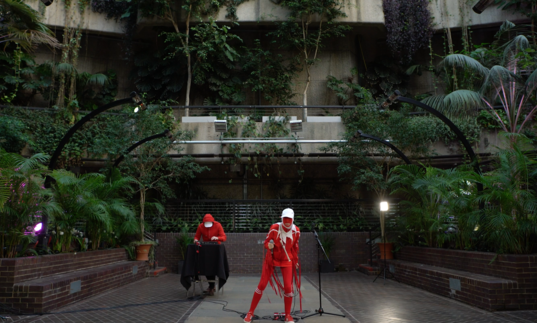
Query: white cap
x,y
208,224
288,213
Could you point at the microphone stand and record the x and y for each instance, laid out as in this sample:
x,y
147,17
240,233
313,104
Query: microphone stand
x,y
320,311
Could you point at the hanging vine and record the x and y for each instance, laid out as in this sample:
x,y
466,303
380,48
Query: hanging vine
x,y
409,26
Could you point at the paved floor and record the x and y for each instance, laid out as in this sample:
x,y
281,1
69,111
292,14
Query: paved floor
x,y
163,299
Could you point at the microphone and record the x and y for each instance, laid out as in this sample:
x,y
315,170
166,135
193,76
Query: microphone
x,y
313,226
272,250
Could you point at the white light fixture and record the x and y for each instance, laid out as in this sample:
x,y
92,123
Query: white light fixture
x,y
220,125
384,206
138,101
296,125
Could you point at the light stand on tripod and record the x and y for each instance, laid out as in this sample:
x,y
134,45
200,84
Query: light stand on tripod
x,y
320,311
383,208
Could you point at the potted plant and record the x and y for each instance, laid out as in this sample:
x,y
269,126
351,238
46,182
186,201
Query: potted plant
x,y
183,240
142,249
327,240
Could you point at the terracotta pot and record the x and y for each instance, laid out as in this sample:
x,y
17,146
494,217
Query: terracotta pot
x,y
142,252
385,250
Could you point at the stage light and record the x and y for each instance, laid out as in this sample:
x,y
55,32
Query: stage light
x,y
138,101
38,227
220,125
389,101
384,206
296,125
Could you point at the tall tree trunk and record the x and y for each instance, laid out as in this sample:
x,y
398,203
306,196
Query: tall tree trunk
x,y
451,52
189,62
142,210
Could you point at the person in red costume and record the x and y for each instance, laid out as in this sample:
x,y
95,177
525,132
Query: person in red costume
x,y
210,230
282,241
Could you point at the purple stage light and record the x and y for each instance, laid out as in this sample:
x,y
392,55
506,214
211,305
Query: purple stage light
x,y
38,227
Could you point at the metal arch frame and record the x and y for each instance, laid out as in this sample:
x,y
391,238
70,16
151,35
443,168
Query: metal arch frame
x,y
399,152
52,164
166,133
398,97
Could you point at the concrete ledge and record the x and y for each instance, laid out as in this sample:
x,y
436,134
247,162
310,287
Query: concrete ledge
x,y
46,294
486,292
324,119
197,119
279,119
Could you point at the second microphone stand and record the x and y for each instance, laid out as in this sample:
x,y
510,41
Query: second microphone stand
x,y
320,311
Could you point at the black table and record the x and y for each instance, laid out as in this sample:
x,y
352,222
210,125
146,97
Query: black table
x,y
207,259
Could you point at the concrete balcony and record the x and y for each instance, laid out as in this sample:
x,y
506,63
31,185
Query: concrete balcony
x,y
55,15
446,13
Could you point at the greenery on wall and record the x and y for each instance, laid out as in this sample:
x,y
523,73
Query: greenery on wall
x,y
310,24
409,27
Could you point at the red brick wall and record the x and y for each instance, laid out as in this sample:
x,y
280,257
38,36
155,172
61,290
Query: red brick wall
x,y
245,251
508,283
32,284
522,268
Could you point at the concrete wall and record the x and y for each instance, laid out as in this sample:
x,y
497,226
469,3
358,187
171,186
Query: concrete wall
x,y
446,13
55,15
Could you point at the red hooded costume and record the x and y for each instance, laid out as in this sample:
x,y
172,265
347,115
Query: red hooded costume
x,y
207,233
283,255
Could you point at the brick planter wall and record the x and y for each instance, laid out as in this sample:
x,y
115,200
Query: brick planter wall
x,y
41,284
245,251
508,283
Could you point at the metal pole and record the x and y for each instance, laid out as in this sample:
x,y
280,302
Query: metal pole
x,y
400,153
451,125
166,133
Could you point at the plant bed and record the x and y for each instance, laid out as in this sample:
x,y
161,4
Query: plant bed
x,y
41,284
483,279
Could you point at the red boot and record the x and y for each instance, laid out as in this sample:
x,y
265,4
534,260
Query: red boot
x,y
289,319
248,317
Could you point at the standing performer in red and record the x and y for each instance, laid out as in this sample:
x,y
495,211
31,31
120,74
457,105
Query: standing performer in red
x,y
282,241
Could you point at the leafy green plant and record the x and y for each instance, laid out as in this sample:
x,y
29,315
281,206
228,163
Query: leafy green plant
x,y
101,203
347,91
183,240
156,76
298,34
328,240
383,77
152,168
22,200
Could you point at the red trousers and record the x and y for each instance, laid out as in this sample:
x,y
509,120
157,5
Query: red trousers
x,y
287,273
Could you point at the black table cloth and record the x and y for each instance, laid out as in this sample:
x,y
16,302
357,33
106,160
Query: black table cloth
x,y
207,259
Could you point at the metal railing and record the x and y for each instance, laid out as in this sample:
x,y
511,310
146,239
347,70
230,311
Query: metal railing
x,y
258,215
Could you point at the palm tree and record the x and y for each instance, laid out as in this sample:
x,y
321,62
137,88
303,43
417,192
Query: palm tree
x,y
433,197
90,198
509,219
21,25
506,83
22,200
